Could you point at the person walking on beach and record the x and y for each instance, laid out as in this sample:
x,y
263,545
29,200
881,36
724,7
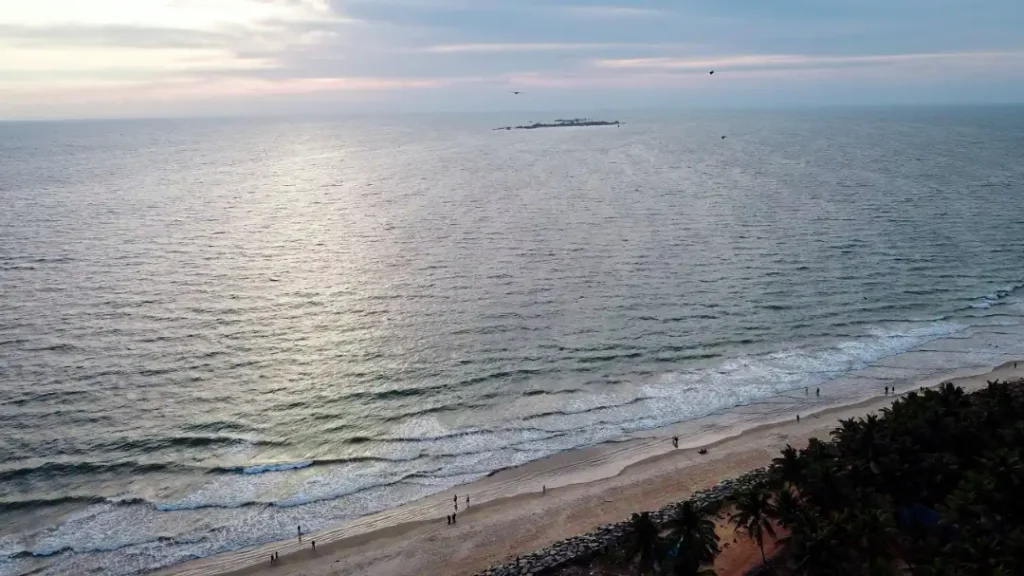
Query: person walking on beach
x,y
675,441
797,418
886,390
454,520
449,517
299,530
467,501
543,490
817,392
313,542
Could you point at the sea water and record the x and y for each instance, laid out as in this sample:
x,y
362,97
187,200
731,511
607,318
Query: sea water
x,y
212,331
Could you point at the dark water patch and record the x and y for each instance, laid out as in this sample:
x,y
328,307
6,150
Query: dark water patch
x,y
776,307
454,407
429,438
220,427
290,502
147,372
585,411
492,330
55,395
607,357
271,467
558,392
45,553
59,347
37,503
75,469
394,393
133,445
505,375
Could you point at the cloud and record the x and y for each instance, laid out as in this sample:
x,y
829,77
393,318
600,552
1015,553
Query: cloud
x,y
453,52
533,47
44,65
796,61
613,11
216,44
191,14
121,35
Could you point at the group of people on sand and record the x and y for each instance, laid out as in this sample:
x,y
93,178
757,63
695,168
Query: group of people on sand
x,y
675,444
276,556
453,517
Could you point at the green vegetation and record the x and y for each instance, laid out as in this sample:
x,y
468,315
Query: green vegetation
x,y
754,511
932,487
693,540
686,546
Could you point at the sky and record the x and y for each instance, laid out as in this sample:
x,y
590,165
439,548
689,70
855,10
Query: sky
x,y
139,58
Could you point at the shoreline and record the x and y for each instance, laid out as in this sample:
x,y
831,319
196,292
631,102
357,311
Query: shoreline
x,y
585,487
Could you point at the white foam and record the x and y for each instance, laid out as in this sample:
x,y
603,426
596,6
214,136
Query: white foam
x,y
462,452
684,395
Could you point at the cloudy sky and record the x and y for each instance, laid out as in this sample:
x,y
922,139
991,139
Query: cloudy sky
x,y
102,58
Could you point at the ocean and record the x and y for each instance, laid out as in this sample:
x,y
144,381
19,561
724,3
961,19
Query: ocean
x,y
212,331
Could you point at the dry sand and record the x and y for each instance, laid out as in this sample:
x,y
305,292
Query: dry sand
x,y
585,488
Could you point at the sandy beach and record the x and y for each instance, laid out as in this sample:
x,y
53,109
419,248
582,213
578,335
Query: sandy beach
x,y
519,510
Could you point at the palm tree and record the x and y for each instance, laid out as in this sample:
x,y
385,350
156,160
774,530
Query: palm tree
x,y
819,552
825,486
643,544
694,540
753,516
872,536
788,509
789,468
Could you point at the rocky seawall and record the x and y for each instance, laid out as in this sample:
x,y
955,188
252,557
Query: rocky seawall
x,y
582,549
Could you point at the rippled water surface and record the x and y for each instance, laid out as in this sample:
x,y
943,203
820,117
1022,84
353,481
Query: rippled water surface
x,y
211,331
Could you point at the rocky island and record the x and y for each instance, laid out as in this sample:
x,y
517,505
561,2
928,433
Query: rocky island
x,y
562,124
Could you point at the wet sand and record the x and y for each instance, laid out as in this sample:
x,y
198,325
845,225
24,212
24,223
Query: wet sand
x,y
584,488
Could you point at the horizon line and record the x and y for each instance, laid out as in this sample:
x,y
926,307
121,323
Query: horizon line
x,y
644,109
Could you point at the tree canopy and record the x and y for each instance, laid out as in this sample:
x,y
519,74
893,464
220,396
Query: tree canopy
x,y
931,487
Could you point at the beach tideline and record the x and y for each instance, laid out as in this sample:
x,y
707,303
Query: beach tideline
x,y
584,488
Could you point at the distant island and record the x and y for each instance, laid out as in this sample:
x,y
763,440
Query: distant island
x,y
563,124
